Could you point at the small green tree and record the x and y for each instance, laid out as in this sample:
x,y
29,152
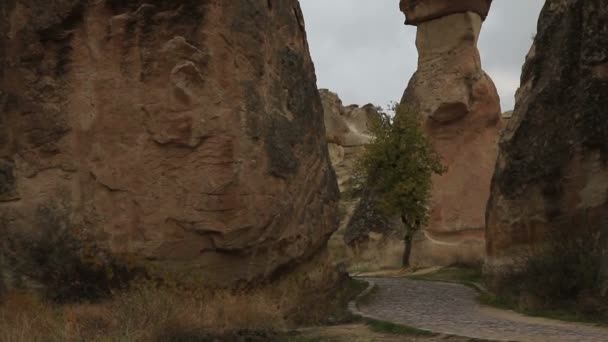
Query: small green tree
x,y
396,168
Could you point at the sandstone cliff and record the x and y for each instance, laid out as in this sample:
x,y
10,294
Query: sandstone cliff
x,y
462,111
551,173
182,138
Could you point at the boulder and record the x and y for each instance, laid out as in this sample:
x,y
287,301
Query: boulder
x,y
552,172
461,109
181,139
419,11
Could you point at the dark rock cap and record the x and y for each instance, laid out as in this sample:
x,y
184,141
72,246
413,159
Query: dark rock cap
x,y
419,11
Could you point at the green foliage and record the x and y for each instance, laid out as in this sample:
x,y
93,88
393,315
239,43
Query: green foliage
x,y
397,167
463,275
54,258
366,298
338,307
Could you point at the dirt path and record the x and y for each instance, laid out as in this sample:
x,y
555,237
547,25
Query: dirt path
x,y
452,309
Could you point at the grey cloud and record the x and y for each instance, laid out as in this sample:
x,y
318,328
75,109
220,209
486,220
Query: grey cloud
x,y
363,51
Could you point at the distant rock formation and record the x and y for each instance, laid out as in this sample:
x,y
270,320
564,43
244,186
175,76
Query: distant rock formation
x,y
184,138
362,238
552,171
347,132
462,111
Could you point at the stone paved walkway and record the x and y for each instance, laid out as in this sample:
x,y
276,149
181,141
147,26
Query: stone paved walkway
x,y
452,309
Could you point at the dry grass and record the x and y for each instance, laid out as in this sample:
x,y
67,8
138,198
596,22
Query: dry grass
x,y
149,312
145,313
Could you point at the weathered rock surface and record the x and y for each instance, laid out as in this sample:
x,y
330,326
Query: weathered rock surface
x,y
348,130
182,137
462,111
551,172
375,241
418,11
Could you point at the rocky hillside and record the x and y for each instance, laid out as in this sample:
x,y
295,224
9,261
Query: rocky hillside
x,y
462,116
551,175
184,139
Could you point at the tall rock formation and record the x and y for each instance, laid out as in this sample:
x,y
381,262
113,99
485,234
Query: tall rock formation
x,y
184,138
552,171
462,111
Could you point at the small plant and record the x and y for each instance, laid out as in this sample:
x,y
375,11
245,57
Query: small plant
x,y
396,170
59,260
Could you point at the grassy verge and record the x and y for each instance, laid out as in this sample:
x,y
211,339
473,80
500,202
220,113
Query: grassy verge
x,y
471,277
340,314
365,299
567,315
396,329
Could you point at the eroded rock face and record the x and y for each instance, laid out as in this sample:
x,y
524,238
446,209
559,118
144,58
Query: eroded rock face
x,y
364,238
551,172
347,132
419,11
185,138
462,111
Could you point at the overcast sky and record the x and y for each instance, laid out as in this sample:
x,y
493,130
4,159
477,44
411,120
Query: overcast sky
x,y
364,52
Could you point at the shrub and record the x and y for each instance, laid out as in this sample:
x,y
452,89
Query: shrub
x,y
62,261
564,274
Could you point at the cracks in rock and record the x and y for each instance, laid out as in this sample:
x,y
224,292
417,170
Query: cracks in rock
x,y
176,144
297,12
105,186
227,40
10,199
210,235
226,210
36,171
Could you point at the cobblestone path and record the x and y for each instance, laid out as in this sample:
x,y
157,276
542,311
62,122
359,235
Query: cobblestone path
x,y
452,309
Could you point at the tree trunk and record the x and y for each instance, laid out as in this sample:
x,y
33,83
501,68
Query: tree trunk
x,y
407,240
407,251
603,262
